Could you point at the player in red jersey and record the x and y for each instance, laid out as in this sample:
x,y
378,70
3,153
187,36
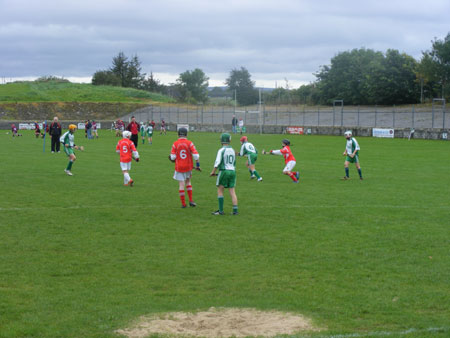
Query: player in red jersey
x,y
182,153
127,150
289,160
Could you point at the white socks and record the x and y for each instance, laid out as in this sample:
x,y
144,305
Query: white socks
x,y
126,178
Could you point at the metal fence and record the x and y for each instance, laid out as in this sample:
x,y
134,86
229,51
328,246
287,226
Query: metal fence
x,y
374,116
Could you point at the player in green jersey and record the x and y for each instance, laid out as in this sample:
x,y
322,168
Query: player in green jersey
x,y
248,150
351,154
149,133
226,177
142,130
67,139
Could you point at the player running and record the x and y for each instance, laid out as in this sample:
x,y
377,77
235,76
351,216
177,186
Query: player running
x,y
125,147
150,133
226,178
182,153
289,160
351,152
247,149
14,131
68,141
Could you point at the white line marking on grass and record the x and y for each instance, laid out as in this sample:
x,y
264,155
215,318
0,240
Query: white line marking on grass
x,y
388,333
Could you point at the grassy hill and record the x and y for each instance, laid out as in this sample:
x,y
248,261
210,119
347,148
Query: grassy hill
x,y
57,91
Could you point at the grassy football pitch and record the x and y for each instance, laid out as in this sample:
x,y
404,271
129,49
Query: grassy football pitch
x,y
83,256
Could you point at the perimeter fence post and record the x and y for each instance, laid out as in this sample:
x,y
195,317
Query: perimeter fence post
x,y
318,115
393,117
376,114
358,116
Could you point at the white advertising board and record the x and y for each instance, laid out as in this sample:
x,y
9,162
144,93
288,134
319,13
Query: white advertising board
x,y
381,132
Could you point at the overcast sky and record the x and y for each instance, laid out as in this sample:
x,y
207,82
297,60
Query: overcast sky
x,y
274,39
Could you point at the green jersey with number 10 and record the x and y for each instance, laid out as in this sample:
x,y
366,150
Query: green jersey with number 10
x,y
226,159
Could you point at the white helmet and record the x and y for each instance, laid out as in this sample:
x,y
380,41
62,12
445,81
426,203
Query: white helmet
x,y
126,134
348,133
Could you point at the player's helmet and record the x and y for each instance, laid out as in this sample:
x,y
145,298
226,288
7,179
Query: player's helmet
x,y
225,138
348,133
126,134
182,132
72,127
286,142
243,139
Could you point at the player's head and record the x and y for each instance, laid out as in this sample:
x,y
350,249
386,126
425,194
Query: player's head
x,y
348,134
225,138
72,127
182,132
286,142
243,139
126,134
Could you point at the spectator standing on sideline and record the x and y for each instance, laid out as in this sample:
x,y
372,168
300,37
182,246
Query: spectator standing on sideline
x,y
89,129
234,124
55,132
133,126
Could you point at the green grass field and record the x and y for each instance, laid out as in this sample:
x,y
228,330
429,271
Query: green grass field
x,y
55,91
83,256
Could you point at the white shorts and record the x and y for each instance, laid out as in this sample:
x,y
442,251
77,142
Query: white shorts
x,y
182,176
289,166
125,166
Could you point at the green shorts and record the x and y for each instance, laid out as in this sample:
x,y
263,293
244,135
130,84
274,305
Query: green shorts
x,y
252,157
355,158
227,178
69,151
149,134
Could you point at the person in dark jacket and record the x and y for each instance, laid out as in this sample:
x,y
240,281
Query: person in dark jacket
x,y
133,126
55,131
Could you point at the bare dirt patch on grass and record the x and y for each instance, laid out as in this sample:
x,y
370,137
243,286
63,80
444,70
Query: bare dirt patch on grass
x,y
220,323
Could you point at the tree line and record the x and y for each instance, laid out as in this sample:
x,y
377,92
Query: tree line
x,y
358,77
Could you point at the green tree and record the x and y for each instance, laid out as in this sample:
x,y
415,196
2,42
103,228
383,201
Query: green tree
x,y
152,84
134,75
193,86
392,79
105,78
364,76
436,63
240,81
307,94
120,68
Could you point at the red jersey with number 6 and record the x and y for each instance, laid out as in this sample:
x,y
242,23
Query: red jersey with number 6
x,y
183,149
126,148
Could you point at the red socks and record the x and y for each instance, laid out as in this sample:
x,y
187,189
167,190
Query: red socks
x,y
189,191
292,175
182,198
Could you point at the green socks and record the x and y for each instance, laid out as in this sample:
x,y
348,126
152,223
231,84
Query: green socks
x,y
220,203
69,165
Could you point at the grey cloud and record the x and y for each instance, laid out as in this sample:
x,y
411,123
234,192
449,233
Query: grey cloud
x,y
292,37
